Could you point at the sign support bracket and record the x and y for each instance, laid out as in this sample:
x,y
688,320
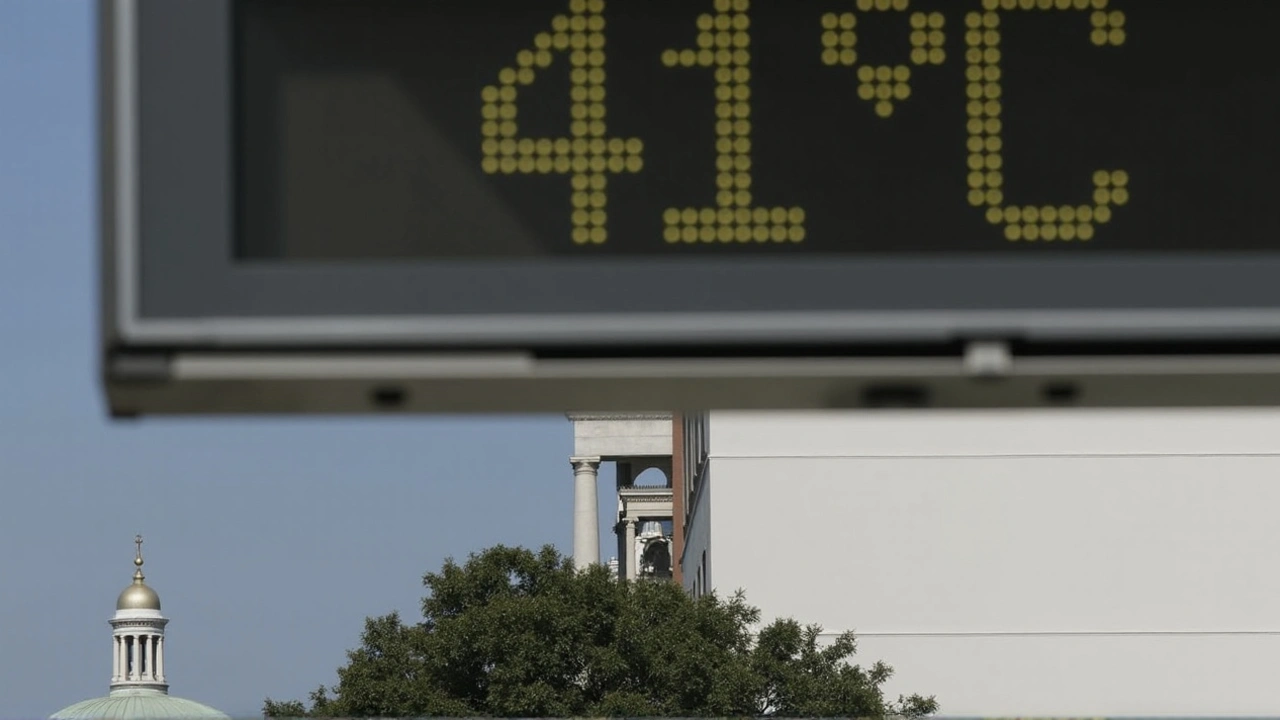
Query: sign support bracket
x,y
988,359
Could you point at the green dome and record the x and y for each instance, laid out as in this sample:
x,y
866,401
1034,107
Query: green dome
x,y
138,705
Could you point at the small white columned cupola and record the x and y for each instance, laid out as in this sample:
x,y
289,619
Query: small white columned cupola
x,y
139,688
137,631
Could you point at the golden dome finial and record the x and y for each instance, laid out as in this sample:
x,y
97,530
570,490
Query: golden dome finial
x,y
138,596
137,559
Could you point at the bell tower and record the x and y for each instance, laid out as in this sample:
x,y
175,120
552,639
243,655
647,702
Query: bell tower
x,y
636,443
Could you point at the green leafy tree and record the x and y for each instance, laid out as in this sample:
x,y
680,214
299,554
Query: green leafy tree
x,y
514,633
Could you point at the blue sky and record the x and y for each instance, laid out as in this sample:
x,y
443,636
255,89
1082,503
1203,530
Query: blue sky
x,y
269,541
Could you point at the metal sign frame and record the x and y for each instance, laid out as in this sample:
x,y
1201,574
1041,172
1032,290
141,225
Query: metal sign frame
x,y
1177,330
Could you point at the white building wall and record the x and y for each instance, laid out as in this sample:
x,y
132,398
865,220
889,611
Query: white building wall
x,y
1082,564
696,569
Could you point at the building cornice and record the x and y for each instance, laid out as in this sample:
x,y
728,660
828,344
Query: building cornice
x,y
140,622
615,416
642,496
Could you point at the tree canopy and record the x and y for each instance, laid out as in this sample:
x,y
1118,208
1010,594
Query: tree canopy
x,y
512,632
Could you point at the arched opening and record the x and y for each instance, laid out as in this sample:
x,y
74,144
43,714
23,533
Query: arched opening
x,y
655,560
652,477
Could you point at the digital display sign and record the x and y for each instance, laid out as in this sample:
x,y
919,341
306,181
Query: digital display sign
x,y
383,129
318,206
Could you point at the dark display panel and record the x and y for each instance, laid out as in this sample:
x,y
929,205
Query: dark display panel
x,y
435,129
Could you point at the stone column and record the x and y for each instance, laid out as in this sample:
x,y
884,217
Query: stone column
x,y
586,511
115,658
630,539
160,658
145,668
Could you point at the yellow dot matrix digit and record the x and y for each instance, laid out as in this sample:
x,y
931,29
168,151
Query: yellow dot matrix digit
x,y
724,36
587,155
